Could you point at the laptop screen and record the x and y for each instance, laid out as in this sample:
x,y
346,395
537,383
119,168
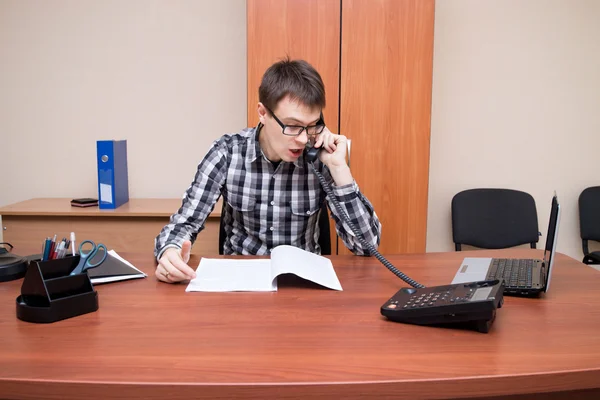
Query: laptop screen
x,y
551,238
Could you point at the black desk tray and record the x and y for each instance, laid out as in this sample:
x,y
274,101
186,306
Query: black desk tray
x,y
50,294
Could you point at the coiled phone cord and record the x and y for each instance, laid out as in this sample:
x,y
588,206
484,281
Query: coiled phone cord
x,y
369,246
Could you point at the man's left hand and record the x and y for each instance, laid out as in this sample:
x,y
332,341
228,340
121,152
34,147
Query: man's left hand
x,y
334,149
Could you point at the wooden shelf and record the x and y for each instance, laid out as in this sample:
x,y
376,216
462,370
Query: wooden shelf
x,y
131,227
134,208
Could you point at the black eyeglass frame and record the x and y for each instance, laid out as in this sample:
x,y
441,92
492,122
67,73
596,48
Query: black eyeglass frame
x,y
320,124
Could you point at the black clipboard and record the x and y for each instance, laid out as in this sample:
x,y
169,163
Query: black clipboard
x,y
113,270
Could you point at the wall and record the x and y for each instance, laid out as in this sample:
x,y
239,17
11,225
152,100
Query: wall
x,y
168,76
509,76
516,94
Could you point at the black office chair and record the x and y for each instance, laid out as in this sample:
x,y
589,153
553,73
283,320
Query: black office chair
x,y
494,219
589,222
324,238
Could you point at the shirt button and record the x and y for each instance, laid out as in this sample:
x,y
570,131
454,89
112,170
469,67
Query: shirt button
x,y
308,212
272,203
271,228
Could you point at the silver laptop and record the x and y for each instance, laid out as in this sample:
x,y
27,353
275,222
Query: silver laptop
x,y
522,277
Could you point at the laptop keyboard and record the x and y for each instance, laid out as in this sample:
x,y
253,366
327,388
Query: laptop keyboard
x,y
515,272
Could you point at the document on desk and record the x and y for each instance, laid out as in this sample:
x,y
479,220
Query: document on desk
x,y
114,269
260,275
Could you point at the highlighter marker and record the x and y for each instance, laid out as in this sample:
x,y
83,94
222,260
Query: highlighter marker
x,y
73,242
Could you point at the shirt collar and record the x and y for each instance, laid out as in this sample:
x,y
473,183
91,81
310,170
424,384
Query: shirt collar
x,y
254,150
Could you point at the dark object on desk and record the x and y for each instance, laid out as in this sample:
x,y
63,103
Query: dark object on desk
x,y
468,305
494,219
50,294
84,202
12,266
113,270
589,222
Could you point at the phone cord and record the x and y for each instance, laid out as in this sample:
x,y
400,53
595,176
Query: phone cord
x,y
369,246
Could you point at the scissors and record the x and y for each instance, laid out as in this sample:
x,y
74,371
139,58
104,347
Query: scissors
x,y
85,257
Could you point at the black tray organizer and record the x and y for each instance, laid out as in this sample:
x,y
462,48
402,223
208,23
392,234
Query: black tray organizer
x,y
50,294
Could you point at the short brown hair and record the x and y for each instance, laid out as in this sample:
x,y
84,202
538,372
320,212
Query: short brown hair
x,y
295,78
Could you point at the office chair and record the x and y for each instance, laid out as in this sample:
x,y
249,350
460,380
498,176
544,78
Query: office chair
x,y
494,219
324,238
589,222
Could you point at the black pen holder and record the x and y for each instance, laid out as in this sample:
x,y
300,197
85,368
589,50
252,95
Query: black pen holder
x,y
50,294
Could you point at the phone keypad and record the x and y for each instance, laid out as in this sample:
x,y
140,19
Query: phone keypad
x,y
431,299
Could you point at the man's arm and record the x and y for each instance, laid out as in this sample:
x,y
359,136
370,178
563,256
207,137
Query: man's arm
x,y
188,221
348,195
361,213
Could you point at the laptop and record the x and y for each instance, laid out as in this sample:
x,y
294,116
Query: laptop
x,y
522,277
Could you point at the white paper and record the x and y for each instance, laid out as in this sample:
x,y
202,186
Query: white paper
x,y
310,266
105,193
231,275
260,275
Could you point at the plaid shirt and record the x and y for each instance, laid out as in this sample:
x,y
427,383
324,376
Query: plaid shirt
x,y
264,206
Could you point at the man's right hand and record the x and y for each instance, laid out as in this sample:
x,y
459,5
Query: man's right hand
x,y
172,266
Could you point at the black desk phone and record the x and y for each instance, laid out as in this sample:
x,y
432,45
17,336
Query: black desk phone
x,y
465,305
469,305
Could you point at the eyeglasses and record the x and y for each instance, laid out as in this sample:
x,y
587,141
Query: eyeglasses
x,y
296,130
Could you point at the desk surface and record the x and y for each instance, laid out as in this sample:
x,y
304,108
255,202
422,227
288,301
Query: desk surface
x,y
56,207
154,340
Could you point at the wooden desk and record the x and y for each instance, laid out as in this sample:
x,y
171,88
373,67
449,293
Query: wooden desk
x,y
154,340
131,227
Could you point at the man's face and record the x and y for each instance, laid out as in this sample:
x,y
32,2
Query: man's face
x,y
273,142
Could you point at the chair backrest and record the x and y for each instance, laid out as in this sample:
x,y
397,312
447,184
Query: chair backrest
x,y
324,238
589,216
494,219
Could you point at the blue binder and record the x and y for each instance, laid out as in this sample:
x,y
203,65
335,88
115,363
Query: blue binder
x,y
113,183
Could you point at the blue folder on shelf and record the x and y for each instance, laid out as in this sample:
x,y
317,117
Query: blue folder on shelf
x,y
113,183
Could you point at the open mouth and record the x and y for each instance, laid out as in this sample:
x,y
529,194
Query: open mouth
x,y
296,152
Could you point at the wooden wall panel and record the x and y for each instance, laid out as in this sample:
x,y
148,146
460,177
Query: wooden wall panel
x,y
300,29
386,81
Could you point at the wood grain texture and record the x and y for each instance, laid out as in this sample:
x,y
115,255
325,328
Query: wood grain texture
x,y
300,29
117,233
386,81
152,340
131,227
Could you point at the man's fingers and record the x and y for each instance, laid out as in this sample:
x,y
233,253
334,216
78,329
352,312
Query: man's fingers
x,y
317,142
180,271
186,249
161,271
329,143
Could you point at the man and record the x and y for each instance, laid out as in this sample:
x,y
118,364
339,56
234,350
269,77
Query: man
x,y
271,196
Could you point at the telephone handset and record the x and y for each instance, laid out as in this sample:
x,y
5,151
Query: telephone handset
x,y
312,153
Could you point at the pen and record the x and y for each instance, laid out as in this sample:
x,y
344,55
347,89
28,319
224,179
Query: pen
x,y
58,250
46,253
52,247
65,248
73,243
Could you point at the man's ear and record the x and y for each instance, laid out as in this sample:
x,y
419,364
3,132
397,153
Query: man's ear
x,y
262,112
